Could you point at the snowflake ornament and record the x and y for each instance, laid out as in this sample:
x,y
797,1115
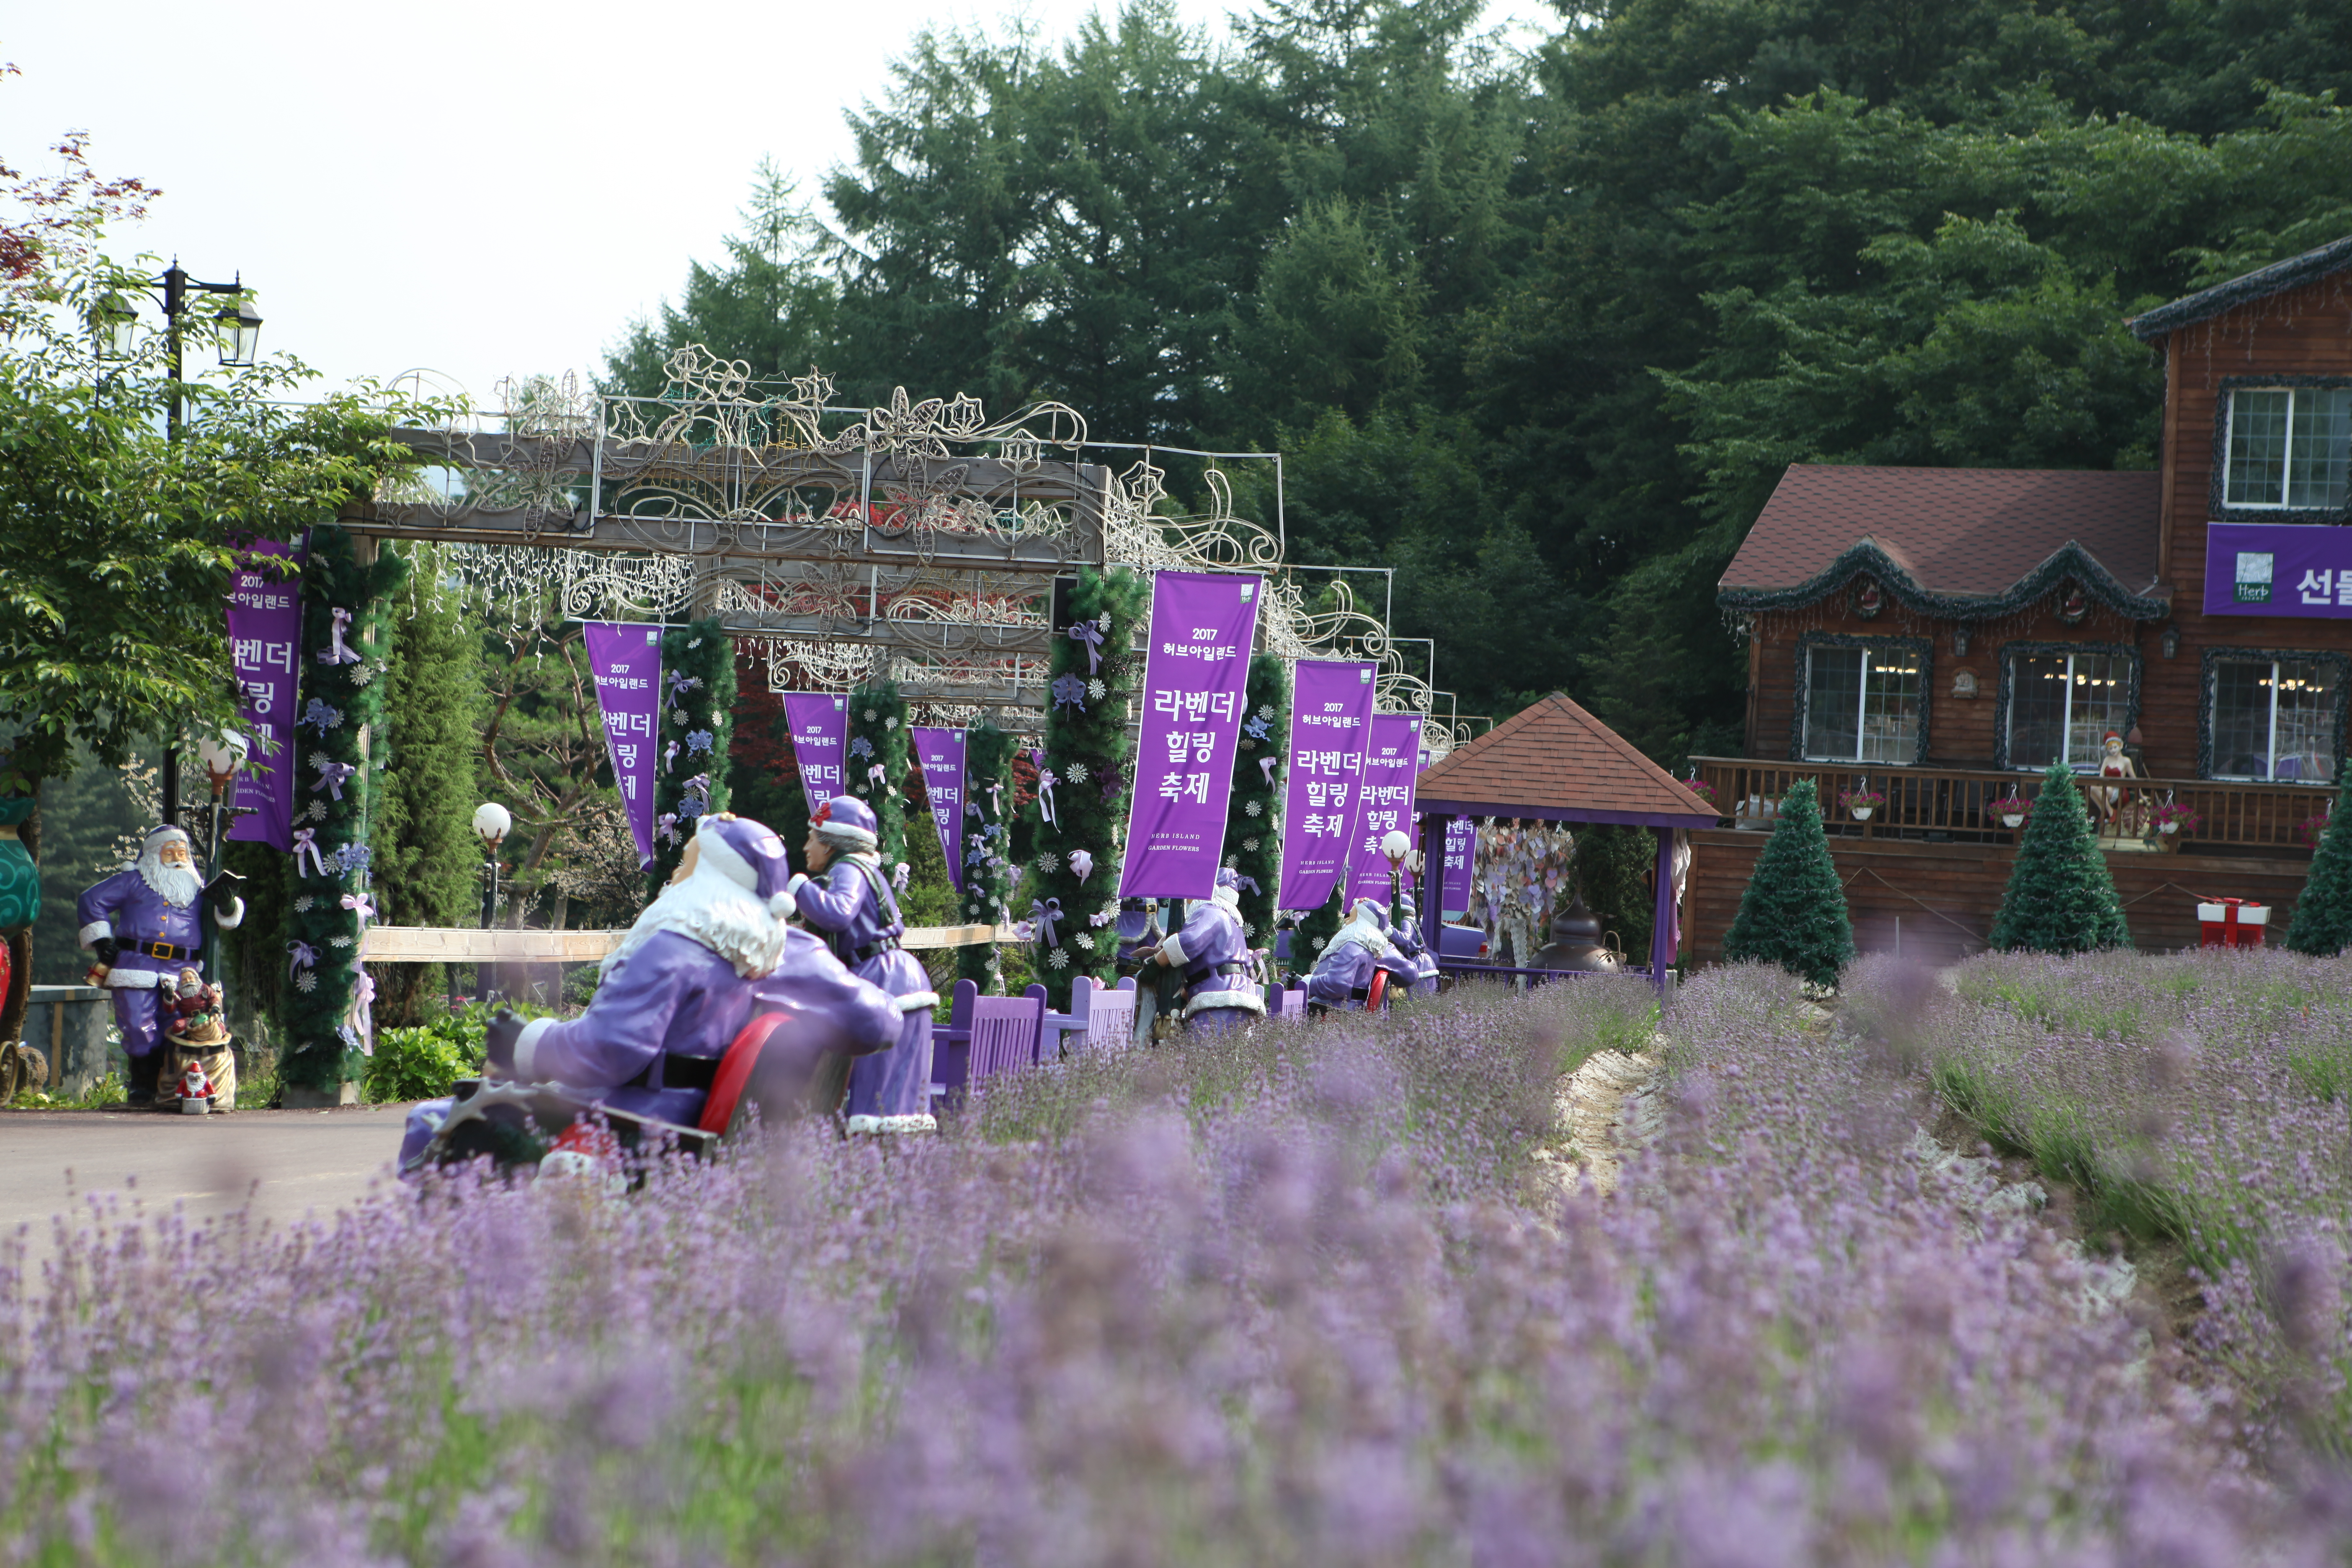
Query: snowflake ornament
x,y
306,982
1250,844
338,941
870,715
1058,959
1252,807
1265,711
1095,688
302,905
1075,773
316,811
1049,862
1083,940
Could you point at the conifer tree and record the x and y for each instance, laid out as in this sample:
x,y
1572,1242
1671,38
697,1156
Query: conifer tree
x,y
2323,916
2060,898
427,860
1793,912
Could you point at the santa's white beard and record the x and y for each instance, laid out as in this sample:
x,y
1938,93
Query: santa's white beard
x,y
178,885
714,911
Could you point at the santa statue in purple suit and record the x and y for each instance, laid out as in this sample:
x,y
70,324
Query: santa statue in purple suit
x,y
704,959
1343,975
1219,993
846,898
144,924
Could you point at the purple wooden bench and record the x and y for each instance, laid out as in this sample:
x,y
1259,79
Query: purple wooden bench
x,y
984,1035
1100,1014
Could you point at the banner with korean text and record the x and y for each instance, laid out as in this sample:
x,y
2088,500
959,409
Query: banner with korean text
x,y
265,644
941,753
820,726
1460,874
625,658
1383,803
1203,627
2278,569
1330,710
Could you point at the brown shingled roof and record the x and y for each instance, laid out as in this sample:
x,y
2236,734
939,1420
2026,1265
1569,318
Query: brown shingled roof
x,y
1555,759
1956,532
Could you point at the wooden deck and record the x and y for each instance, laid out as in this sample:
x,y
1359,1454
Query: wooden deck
x,y
1936,901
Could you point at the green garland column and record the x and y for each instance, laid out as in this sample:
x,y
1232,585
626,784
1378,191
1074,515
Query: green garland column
x,y
877,737
341,700
1252,822
698,719
1091,756
987,861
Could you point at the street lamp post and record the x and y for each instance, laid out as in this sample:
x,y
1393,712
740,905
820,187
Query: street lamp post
x,y
113,323
491,823
1394,846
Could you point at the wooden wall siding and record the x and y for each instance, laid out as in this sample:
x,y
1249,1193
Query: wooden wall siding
x,y
1960,730
1945,895
2303,331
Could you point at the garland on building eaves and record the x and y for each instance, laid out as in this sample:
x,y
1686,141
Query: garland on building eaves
x,y
347,647
876,766
1083,779
2259,284
1865,559
1252,819
696,729
987,849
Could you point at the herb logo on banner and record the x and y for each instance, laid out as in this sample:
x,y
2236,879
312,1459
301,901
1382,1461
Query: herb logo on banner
x,y
820,727
625,658
1204,626
1383,804
941,753
265,643
1330,714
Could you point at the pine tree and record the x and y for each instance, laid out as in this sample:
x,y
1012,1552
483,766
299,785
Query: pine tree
x,y
2060,898
2323,916
427,861
1793,912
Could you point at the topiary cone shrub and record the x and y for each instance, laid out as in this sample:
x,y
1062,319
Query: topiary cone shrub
x,y
2323,915
1793,912
2060,898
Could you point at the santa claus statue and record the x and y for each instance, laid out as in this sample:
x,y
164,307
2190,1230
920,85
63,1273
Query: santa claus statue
x,y
1220,994
703,960
144,925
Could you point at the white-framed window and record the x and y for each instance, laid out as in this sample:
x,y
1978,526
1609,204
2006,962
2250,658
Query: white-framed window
x,y
2062,706
2274,719
2289,448
1861,704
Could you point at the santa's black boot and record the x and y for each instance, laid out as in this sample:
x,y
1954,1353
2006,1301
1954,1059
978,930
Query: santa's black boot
x,y
144,1072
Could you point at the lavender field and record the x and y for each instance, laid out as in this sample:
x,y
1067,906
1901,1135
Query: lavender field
x,y
1315,1295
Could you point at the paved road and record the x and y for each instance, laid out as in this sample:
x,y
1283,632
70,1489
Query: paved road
x,y
292,1161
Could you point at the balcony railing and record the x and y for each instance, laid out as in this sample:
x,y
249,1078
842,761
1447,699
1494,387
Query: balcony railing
x,y
1960,806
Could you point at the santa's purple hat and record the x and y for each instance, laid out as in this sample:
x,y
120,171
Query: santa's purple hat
x,y
747,853
847,820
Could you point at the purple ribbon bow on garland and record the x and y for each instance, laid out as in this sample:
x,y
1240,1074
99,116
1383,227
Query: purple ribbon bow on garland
x,y
1088,635
1044,915
337,651
1045,796
1266,765
305,842
667,826
302,956
358,904
333,775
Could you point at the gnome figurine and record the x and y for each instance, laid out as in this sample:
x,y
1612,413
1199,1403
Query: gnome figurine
x,y
143,923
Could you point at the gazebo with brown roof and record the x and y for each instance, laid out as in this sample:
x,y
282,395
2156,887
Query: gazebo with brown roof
x,y
1555,762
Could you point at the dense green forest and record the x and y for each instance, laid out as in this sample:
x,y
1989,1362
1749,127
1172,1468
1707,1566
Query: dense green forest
x,y
1543,329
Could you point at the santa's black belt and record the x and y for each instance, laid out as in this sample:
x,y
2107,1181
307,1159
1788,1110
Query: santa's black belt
x,y
163,949
879,945
677,1070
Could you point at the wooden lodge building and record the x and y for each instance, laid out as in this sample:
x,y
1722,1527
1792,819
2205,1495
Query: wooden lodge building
x,y
1940,637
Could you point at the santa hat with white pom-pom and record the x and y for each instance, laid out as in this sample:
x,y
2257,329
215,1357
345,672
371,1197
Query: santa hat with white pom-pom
x,y
748,854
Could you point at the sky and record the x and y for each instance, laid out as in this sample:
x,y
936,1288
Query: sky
x,y
480,190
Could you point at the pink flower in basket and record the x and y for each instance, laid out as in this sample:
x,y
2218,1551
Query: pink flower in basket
x,y
2012,805
2171,818
1700,788
2311,827
1865,798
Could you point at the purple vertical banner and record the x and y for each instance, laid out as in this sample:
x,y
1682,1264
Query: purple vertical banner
x,y
820,726
1460,867
1384,802
1204,626
625,658
265,646
1330,712
941,753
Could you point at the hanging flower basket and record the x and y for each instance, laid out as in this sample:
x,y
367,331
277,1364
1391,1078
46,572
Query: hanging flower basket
x,y
2012,809
2171,819
1701,788
2311,828
1860,803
